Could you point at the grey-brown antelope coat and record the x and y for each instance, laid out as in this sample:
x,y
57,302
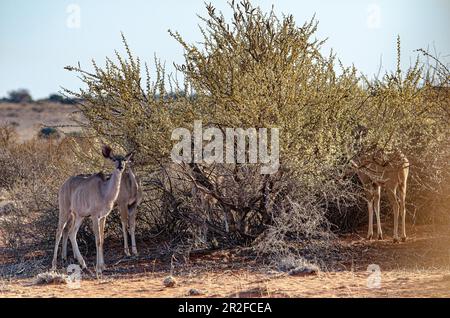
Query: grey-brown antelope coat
x,y
130,196
88,196
390,172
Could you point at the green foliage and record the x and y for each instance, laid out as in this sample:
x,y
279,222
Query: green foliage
x,y
398,114
263,71
123,112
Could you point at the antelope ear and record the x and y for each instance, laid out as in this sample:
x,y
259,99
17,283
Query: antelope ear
x,y
130,155
106,151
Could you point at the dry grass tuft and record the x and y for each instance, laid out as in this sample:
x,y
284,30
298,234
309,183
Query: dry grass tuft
x,y
304,271
50,278
297,266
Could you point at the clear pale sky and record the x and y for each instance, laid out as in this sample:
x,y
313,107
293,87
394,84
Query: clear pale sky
x,y
38,38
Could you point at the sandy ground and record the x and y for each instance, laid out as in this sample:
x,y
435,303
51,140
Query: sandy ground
x,y
29,118
417,268
246,284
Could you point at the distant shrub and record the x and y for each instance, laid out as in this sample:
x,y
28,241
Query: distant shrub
x,y
74,134
49,132
19,96
56,98
60,99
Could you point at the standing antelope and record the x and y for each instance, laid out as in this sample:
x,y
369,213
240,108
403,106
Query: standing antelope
x,y
391,174
130,196
88,196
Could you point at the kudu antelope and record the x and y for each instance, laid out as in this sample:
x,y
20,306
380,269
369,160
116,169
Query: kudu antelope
x,y
392,174
88,196
130,196
206,200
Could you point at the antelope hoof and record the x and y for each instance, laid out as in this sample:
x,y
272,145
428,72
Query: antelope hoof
x,y
369,237
127,252
396,240
404,239
99,269
380,237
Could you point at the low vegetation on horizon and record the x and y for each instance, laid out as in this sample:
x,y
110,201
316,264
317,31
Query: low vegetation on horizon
x,y
23,96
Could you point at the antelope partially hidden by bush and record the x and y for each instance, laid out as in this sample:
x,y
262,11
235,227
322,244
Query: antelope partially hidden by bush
x,y
130,196
392,174
88,196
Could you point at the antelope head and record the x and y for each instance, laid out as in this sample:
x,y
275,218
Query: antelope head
x,y
118,160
